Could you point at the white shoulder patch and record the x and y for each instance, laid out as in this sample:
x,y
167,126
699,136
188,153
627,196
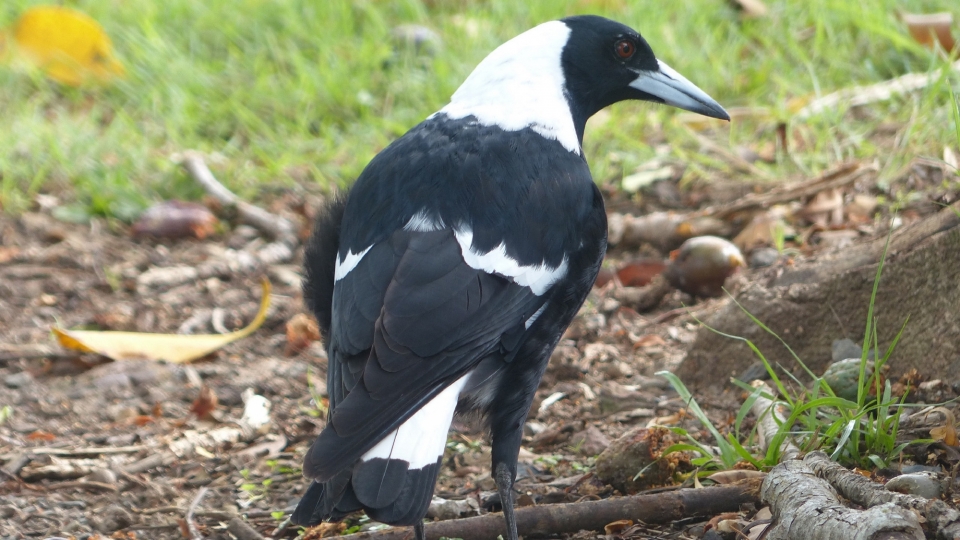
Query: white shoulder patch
x,y
521,85
538,278
347,264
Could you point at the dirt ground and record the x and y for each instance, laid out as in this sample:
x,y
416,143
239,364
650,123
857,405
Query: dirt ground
x,y
93,448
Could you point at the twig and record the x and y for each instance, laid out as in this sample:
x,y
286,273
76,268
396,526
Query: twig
x,y
843,174
77,452
553,519
864,95
239,528
93,486
191,526
277,227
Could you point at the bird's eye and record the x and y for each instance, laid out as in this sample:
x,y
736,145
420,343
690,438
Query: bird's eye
x,y
625,48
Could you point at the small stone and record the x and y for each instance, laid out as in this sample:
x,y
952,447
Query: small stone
x,y
113,518
590,441
765,256
920,484
18,380
104,476
845,348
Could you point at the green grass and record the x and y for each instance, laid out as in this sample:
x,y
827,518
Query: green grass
x,y
301,90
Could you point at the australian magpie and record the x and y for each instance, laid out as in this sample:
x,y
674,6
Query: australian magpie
x,y
444,279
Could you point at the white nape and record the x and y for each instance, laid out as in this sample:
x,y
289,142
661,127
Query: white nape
x,y
424,222
521,85
349,262
538,278
420,440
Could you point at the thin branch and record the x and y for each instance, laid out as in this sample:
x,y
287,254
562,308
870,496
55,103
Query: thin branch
x,y
553,519
191,526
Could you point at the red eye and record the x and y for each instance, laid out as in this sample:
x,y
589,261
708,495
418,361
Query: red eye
x,y
625,48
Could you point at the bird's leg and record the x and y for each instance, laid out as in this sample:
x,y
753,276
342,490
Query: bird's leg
x,y
418,530
504,478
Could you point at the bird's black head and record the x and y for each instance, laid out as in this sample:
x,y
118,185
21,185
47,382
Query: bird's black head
x,y
605,62
554,76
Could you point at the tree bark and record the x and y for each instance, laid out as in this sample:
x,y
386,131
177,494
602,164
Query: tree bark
x,y
805,507
818,301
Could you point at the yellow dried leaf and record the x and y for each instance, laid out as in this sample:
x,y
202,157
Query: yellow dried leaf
x,y
176,348
69,46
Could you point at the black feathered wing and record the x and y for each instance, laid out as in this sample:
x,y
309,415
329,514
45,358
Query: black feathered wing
x,y
411,318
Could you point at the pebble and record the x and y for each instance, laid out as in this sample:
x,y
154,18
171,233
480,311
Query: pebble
x,y
762,257
104,476
18,380
920,484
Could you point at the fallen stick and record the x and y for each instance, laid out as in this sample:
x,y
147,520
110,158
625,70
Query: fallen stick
x,y
869,494
239,528
554,519
280,229
805,507
865,95
191,526
839,176
76,452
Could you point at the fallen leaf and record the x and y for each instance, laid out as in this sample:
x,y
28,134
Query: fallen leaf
x,y
618,526
40,435
751,9
68,45
639,273
649,173
951,159
176,219
205,403
302,330
930,28
8,253
735,475
948,431
176,348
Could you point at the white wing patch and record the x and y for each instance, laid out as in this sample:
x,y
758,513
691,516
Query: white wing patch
x,y
521,85
423,222
420,440
538,278
347,264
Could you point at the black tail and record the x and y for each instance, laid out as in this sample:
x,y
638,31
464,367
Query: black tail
x,y
320,261
388,492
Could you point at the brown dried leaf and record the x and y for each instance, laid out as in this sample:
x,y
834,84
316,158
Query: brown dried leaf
x,y
617,527
639,273
176,219
930,28
40,435
948,431
205,403
302,330
735,475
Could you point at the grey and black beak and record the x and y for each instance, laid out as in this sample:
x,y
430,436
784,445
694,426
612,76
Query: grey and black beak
x,y
667,86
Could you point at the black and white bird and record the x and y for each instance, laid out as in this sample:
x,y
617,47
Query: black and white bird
x,y
445,278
